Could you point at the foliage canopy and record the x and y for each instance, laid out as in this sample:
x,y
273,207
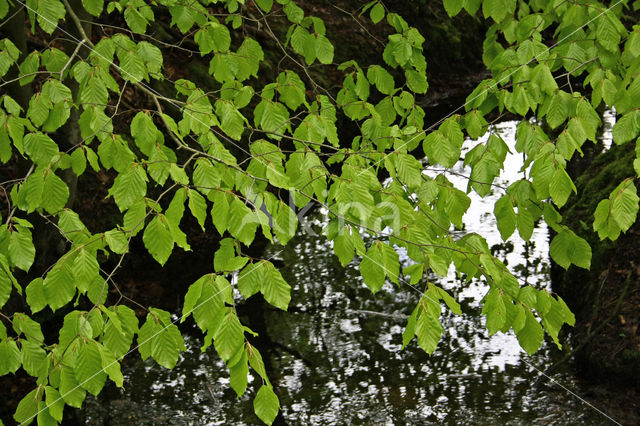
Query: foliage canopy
x,y
234,147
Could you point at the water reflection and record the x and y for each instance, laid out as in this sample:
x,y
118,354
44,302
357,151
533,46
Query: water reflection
x,y
336,356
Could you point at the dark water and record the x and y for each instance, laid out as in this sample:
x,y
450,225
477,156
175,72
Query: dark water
x,y
336,356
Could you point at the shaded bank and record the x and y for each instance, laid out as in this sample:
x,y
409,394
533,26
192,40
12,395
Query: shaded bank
x,y
606,299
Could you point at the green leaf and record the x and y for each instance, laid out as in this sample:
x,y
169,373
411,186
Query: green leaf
x,y
55,193
530,336
495,310
505,217
266,404
220,211
28,406
428,327
138,18
96,290
525,223
191,299
117,241
209,310
85,268
205,299
475,124
39,108
76,326
624,204
380,260
31,191
88,367
132,67
220,68
10,357
232,122
70,389
158,166
558,110
93,89
36,297
54,60
78,162
416,81
305,44
627,127
381,78
401,49
454,204
274,117
178,174
239,372
372,267
377,13
265,4
25,325
291,89
229,338
410,329
7,279
225,258
9,54
567,248
560,187
134,217
151,56
28,67
198,207
409,170
158,240
92,158
344,246
205,176
324,50
6,284
167,345
160,338
144,132
294,13
34,358
275,289
40,147
94,7
21,251
44,418
59,284
54,403
391,263
496,9
607,33
118,336
284,223
48,13
242,221
450,301
453,7
444,145
251,278
129,187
